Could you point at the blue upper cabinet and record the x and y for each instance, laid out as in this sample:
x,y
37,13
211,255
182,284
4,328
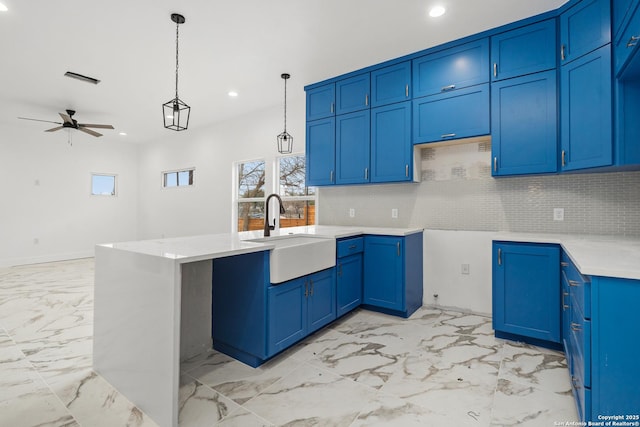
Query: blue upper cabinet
x,y
321,152
584,28
391,148
586,111
391,84
627,43
459,114
524,136
621,11
524,50
454,68
352,94
352,148
321,102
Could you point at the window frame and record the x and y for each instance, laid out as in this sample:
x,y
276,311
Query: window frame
x,y
115,184
165,173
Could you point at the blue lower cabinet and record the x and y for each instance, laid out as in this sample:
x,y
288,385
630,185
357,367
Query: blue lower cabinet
x,y
349,283
393,274
526,292
299,307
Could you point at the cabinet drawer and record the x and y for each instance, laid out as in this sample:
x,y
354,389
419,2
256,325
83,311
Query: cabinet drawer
x,y
451,69
350,246
460,114
581,346
579,286
628,41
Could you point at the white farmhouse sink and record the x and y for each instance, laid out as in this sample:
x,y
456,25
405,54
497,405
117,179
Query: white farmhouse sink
x,y
298,255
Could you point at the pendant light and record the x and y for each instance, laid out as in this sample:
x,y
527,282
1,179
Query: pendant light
x,y
176,112
285,141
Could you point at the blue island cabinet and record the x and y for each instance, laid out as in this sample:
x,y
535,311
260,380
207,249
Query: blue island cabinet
x,y
393,274
526,292
299,307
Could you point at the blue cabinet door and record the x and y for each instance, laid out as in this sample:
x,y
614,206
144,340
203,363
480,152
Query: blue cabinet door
x,y
321,102
621,11
352,147
453,68
320,152
384,272
287,313
459,114
627,44
321,299
524,50
526,290
584,28
391,84
349,283
352,94
586,111
524,136
391,148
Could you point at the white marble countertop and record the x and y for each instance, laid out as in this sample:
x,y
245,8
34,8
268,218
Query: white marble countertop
x,y
609,256
208,246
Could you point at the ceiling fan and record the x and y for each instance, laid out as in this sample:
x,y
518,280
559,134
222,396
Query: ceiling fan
x,y
70,123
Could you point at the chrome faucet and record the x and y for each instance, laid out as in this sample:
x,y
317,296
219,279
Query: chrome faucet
x,y
267,227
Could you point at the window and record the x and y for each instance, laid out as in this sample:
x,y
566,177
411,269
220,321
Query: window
x,y
103,184
298,199
179,178
250,178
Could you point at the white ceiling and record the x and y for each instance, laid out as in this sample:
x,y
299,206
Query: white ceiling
x,y
241,45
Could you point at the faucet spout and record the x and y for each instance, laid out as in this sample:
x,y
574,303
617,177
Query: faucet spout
x,y
267,227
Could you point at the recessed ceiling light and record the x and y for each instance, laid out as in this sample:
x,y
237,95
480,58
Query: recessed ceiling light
x,y
3,8
437,11
123,134
233,94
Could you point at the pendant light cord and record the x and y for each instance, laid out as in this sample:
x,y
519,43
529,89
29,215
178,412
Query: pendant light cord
x,y
285,105
177,35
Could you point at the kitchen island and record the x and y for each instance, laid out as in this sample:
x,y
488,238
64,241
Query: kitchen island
x,y
153,307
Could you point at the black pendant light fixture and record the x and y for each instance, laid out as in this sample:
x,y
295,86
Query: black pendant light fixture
x,y
285,141
176,112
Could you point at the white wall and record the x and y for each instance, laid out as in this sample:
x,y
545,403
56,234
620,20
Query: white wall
x,y
206,207
45,185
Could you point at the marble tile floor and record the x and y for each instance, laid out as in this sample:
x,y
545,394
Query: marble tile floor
x,y
438,368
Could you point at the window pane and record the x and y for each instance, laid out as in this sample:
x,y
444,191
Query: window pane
x,y
299,212
171,179
103,185
251,179
250,216
292,182
183,178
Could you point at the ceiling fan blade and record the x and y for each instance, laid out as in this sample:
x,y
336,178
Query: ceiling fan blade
x,y
89,131
54,129
38,120
86,125
66,118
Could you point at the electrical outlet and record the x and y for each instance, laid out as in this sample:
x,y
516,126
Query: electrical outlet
x,y
352,213
558,214
394,213
465,269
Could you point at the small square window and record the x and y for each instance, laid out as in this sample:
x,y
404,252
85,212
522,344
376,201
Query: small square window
x,y
103,184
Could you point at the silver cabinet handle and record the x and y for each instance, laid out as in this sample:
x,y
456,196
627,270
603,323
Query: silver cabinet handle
x,y
406,91
446,88
495,164
331,176
575,327
448,135
574,283
499,256
333,106
495,69
564,155
406,170
633,41
339,270
366,173
366,100
564,264
564,306
306,289
398,247
311,290
562,55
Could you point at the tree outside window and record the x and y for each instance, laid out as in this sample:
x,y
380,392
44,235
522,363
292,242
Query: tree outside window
x,y
298,199
251,182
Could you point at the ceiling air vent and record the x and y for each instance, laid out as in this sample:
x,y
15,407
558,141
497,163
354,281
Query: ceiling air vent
x,y
81,77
